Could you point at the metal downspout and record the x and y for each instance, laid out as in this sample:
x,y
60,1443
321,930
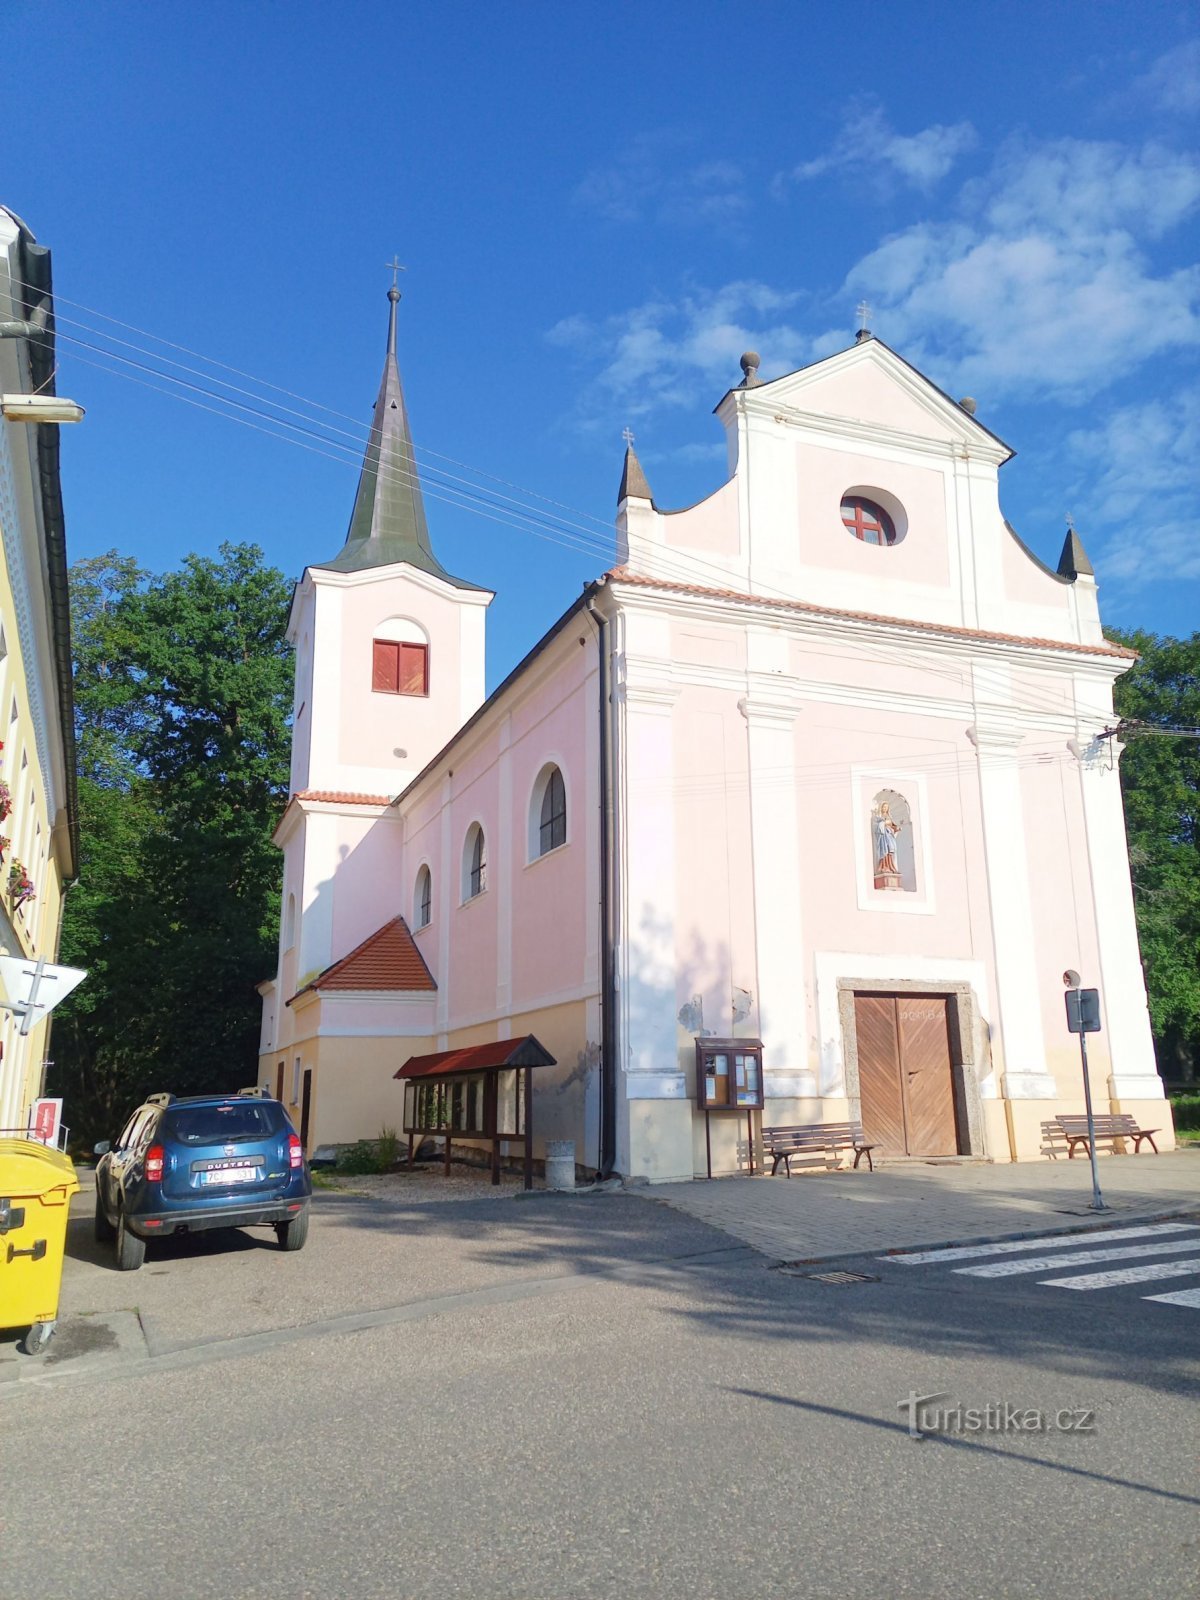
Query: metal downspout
x,y
608,1062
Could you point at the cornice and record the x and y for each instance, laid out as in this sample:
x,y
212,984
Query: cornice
x,y
805,619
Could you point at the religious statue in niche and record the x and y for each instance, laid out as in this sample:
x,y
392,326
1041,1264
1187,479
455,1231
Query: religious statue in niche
x,y
892,846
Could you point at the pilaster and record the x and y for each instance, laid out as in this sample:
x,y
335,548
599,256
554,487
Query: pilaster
x,y
778,930
1018,988
648,900
1120,980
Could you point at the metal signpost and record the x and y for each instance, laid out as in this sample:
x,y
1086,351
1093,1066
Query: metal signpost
x,y
34,988
1083,1017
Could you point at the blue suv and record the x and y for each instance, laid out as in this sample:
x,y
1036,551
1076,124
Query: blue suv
x,y
205,1161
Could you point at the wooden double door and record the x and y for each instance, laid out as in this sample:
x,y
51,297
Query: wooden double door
x,y
905,1073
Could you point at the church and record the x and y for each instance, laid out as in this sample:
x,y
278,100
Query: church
x,y
796,815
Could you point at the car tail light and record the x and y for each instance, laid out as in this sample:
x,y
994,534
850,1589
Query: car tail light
x,y
156,1158
295,1152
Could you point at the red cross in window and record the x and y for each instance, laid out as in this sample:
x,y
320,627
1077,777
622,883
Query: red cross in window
x,y
868,522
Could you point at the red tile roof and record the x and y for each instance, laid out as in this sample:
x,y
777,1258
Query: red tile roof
x,y
523,1052
389,959
623,575
342,797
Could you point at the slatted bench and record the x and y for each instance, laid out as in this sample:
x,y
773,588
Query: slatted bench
x,y
1073,1132
810,1138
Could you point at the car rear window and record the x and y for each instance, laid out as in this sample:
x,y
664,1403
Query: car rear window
x,y
227,1124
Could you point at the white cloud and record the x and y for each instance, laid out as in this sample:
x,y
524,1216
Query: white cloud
x,y
1173,82
1137,487
867,141
647,181
665,353
1042,284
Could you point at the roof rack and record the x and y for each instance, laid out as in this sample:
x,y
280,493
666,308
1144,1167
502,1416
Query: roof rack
x,y
159,1099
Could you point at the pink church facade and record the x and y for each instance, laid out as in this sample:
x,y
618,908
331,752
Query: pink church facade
x,y
821,762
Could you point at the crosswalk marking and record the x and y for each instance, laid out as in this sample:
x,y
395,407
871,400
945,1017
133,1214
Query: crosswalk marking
x,y
1079,1258
1179,1297
1147,1274
1053,1241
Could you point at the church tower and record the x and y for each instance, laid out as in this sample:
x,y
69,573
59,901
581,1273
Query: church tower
x,y
389,665
389,645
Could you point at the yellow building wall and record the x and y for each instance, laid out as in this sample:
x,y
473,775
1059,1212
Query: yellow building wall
x,y
33,930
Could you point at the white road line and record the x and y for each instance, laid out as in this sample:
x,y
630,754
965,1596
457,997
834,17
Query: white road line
x,y
1180,1297
1081,1258
1052,1241
1106,1280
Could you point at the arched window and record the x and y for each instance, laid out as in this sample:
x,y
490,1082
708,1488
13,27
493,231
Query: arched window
x,y
548,813
867,521
400,658
474,863
289,923
423,899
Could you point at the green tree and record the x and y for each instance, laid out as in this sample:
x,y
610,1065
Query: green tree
x,y
183,696
1160,780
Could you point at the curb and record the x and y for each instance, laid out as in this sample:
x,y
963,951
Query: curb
x,y
1082,1229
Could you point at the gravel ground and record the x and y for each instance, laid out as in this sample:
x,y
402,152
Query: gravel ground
x,y
427,1184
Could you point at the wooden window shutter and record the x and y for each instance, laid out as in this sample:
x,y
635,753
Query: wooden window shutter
x,y
414,669
385,667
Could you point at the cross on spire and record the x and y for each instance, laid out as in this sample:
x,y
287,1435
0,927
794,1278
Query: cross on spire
x,y
1070,522
395,269
627,435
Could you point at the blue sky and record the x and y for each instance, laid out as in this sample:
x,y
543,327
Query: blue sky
x,y
599,208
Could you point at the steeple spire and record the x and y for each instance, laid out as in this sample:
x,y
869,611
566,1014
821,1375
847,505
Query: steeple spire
x,y
388,523
1073,562
633,479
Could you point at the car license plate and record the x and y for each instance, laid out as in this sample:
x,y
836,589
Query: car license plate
x,y
229,1175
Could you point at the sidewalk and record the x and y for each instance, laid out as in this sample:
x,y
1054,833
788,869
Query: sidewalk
x,y
828,1215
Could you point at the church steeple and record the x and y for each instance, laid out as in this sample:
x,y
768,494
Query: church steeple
x,y
388,522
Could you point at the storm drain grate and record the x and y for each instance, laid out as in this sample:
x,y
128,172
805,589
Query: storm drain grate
x,y
832,1277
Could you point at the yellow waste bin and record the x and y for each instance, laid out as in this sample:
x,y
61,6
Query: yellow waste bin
x,y
36,1185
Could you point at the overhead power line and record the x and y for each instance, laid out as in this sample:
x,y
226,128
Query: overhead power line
x,y
573,533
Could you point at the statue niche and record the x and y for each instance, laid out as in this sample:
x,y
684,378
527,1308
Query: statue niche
x,y
893,851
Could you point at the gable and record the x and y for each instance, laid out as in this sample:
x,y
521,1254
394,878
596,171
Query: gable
x,y
870,386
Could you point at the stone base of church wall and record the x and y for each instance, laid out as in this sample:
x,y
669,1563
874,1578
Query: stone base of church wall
x,y
1027,1117
995,1131
661,1139
355,1092
1150,1114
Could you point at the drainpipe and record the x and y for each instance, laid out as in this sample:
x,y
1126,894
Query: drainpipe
x,y
608,1032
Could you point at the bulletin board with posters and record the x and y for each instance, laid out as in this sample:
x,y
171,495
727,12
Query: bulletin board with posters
x,y
729,1077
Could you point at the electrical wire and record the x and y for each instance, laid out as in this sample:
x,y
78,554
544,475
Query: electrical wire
x,y
671,566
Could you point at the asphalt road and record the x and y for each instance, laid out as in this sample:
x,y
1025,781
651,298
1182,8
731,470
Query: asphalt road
x,y
654,1411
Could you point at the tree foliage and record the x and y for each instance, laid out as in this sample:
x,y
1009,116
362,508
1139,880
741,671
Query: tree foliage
x,y
1160,780
183,695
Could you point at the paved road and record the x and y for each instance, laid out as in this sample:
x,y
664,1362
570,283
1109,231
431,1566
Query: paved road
x,y
620,1401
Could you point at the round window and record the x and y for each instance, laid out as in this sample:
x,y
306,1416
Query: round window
x,y
867,521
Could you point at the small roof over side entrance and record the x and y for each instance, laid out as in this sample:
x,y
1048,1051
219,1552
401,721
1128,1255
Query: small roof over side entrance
x,y
526,1052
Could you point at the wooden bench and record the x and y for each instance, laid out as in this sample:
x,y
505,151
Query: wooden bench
x,y
809,1138
1073,1131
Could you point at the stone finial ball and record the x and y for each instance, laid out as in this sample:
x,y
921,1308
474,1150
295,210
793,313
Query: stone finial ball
x,y
750,361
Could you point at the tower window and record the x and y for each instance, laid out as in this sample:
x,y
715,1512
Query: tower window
x,y
867,521
398,667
